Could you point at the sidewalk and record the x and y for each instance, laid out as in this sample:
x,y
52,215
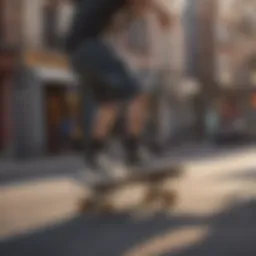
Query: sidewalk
x,y
24,170
209,185
67,166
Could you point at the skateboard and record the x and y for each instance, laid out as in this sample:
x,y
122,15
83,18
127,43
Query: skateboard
x,y
151,180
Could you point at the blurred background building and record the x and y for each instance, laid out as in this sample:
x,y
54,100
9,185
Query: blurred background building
x,y
211,55
44,85
235,61
9,44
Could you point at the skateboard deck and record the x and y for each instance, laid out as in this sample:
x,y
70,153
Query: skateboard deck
x,y
151,179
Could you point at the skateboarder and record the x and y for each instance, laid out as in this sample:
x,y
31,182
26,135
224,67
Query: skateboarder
x,y
103,73
138,48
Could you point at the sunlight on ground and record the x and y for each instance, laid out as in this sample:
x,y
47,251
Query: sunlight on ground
x,y
170,242
207,188
210,186
30,206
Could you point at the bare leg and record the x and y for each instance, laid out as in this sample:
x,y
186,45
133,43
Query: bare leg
x,y
103,122
137,114
136,118
105,118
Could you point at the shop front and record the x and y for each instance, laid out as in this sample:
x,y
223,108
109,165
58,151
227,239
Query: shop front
x,y
173,114
234,112
62,118
8,59
47,106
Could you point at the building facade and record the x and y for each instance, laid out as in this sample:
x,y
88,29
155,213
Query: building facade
x,y
235,38
236,55
10,20
191,27
44,89
176,112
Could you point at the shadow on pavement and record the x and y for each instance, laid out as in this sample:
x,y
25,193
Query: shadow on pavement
x,y
232,232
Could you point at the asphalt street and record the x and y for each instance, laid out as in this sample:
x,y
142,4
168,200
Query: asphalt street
x,y
68,165
231,232
215,215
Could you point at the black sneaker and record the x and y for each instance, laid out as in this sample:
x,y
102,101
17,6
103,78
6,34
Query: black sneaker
x,y
94,164
139,157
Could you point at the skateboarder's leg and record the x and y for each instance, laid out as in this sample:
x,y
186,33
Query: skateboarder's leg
x,y
102,122
137,113
136,117
108,83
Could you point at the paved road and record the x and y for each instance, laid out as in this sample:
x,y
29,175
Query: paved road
x,y
16,171
231,232
215,216
24,170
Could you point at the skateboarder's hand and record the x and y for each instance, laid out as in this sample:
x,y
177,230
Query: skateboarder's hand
x,y
164,16
165,20
144,62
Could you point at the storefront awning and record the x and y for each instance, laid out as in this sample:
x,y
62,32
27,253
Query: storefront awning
x,y
49,66
55,75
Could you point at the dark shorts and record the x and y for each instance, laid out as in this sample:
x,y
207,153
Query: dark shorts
x,y
102,72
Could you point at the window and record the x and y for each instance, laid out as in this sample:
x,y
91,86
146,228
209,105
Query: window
x,y
50,34
65,14
56,18
10,22
1,21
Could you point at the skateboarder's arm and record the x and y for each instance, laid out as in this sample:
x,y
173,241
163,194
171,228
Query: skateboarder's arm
x,y
136,59
164,16
121,20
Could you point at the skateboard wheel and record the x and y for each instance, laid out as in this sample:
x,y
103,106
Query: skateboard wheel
x,y
150,197
105,208
86,205
169,198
